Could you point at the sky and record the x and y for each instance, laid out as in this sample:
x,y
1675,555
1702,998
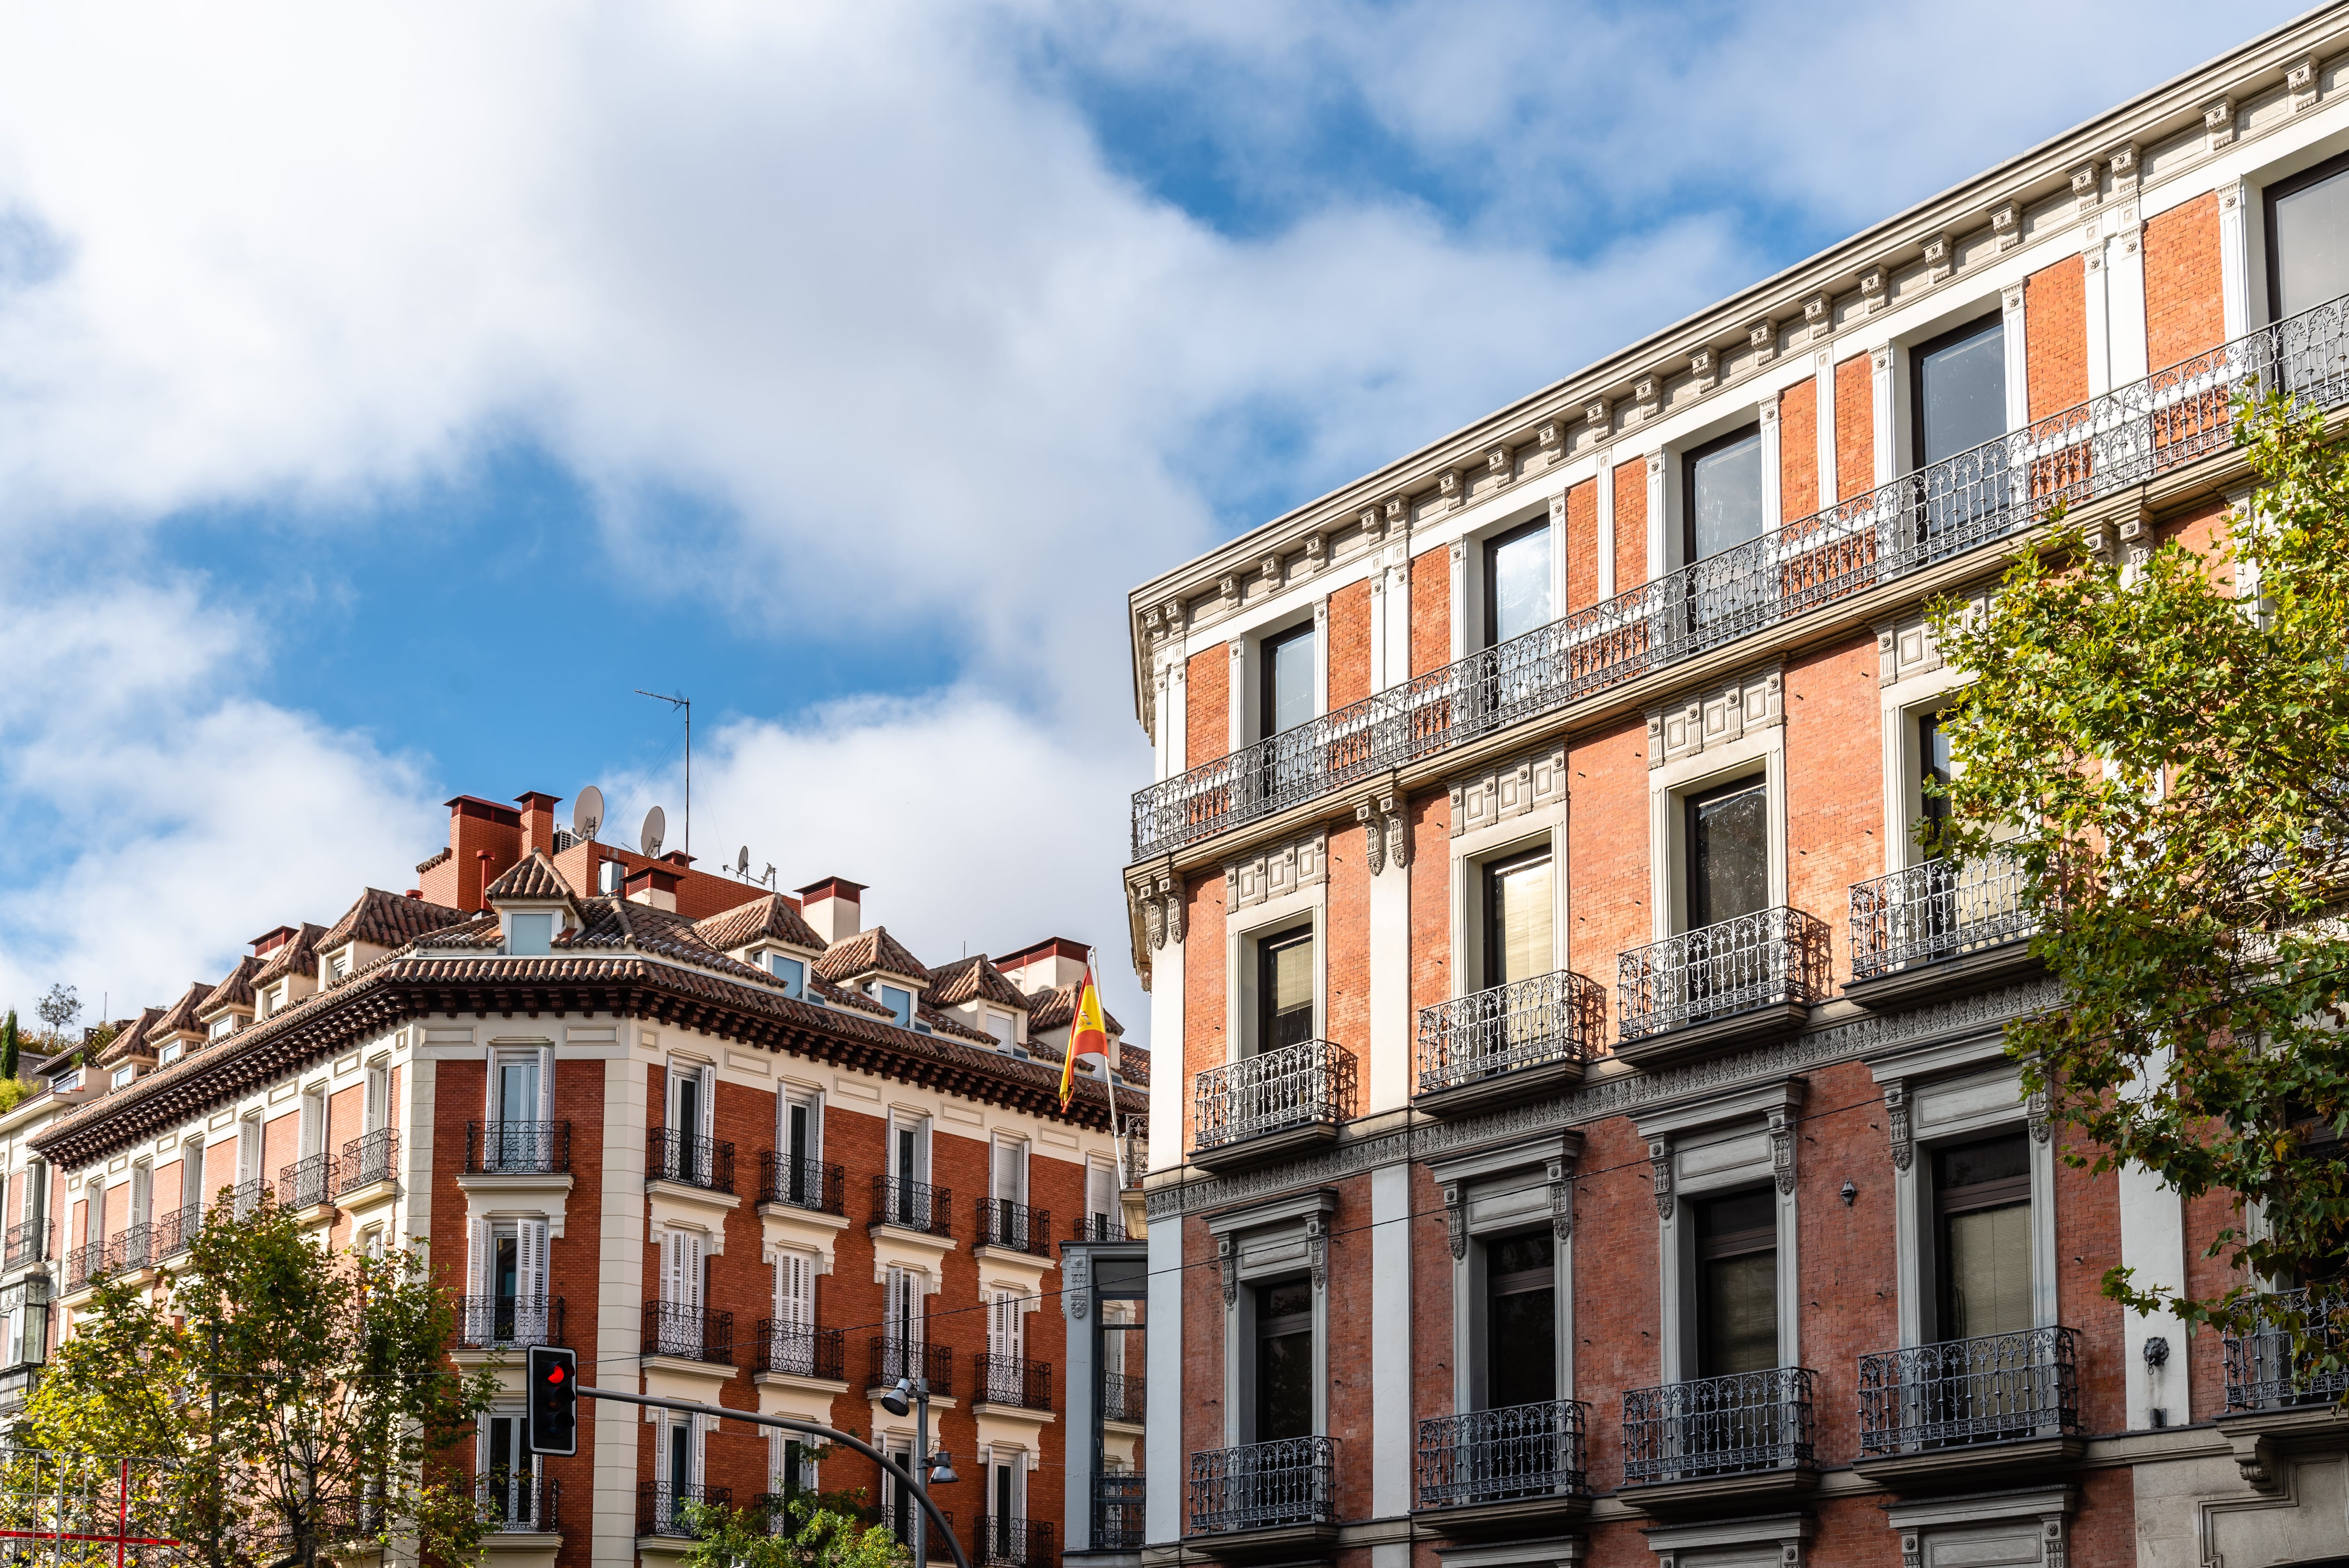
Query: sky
x,y
388,393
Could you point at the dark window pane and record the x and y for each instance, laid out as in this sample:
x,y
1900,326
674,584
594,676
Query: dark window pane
x,y
1284,1386
1933,763
1987,1271
1520,1255
1517,582
2308,240
1996,1160
1724,493
1288,680
1521,1349
1740,1310
1285,990
1960,390
1737,1216
1517,919
1285,1300
1729,855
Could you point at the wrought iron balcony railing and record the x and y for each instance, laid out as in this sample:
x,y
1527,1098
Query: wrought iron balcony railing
x,y
1119,1501
912,1206
134,1249
1501,1456
519,1504
1959,504
175,1232
1264,1486
900,1522
1125,1397
1015,1226
1986,1389
84,1263
1718,1426
1298,1085
508,1322
1012,1380
689,1158
518,1149
1525,1023
796,1350
307,1183
27,1242
1100,1228
370,1158
246,1198
1133,1151
2267,1370
1013,1542
1771,958
661,1506
1935,911
892,1357
809,1184
697,1334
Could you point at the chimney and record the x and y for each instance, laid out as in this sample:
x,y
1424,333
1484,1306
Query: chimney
x,y
834,907
1048,965
537,820
653,884
484,839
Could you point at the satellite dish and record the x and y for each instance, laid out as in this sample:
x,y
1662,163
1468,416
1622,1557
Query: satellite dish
x,y
743,862
588,814
655,824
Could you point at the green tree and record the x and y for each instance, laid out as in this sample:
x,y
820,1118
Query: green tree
x,y
58,1009
10,1044
809,1533
298,1404
2164,747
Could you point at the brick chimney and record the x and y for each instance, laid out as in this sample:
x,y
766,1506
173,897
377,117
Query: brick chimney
x,y
537,820
484,839
653,884
834,907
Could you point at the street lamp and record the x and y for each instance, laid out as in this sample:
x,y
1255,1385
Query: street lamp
x,y
913,1393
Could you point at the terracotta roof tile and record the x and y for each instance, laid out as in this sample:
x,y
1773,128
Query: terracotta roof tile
x,y
300,952
388,920
180,1018
236,991
614,923
1054,1008
972,979
530,878
482,930
841,996
769,919
945,1023
437,856
871,951
129,1043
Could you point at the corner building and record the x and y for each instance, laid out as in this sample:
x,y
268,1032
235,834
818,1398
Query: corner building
x,y
730,1145
1592,1140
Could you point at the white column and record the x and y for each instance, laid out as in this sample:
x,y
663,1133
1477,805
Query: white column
x,y
2125,302
1174,712
1390,1423
1389,961
1322,655
1162,1439
1557,555
619,1304
1398,576
1236,692
2097,313
1657,555
1883,410
2234,257
2018,358
1606,508
2153,1243
1773,503
1823,362
1169,1074
1459,591
1379,628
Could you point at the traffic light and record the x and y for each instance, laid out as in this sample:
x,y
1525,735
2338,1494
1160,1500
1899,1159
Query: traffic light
x,y
553,1400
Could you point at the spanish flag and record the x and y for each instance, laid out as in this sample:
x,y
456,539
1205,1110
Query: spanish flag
x,y
1088,1037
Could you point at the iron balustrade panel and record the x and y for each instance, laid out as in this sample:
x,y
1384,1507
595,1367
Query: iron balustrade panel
x,y
1989,1389
246,1197
1498,1456
1742,1422
1939,910
2266,1370
133,1249
689,1158
1263,1486
1311,1081
661,1506
1949,508
1133,1151
912,1206
1011,1380
307,1183
808,1184
894,1357
898,1523
673,1328
175,1232
1125,1397
84,1263
518,1504
370,1158
1102,1228
1017,1542
796,1350
502,1321
1004,1224
1553,1018
1119,1502
27,1242
1772,957
518,1148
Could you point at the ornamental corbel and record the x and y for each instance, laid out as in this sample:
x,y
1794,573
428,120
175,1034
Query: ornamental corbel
x,y
2006,224
2036,1109
1552,440
1080,1291
1170,892
1660,1168
1449,485
1391,807
1819,315
1500,465
1781,1151
1561,1200
2051,1543
1705,365
1374,836
1912,1550
1373,526
1761,336
1455,1221
1227,1259
1896,1126
1317,1248
1153,918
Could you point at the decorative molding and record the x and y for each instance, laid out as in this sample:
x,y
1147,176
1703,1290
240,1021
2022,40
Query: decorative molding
x,y
1077,1291
1740,705
2301,82
1386,837
1940,257
1455,1219
1449,487
1317,1246
1911,1550
1500,466
1227,1259
1599,415
1761,336
1551,439
2006,224
1560,1174
1819,315
2035,1108
2085,188
1162,909
2218,122
1509,790
1391,808
1659,1170
2052,1544
1897,1125
1648,392
1317,552
1280,870
1873,295
1705,366
1781,1151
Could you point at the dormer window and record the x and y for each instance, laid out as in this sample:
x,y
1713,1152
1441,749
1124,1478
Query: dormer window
x,y
223,1025
1001,1026
790,971
530,936
171,1052
272,1000
123,1074
896,999
338,966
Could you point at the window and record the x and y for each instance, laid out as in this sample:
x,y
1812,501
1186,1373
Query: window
x,y
1007,1186
1737,1284
339,966
1518,904
171,1052
1007,1493
999,1026
680,1285
794,1290
801,1138
378,1095
1722,481
1007,1342
791,971
680,1463
508,1281
1287,699
1728,852
1284,1360
1284,989
1959,386
898,1000
1934,767
2308,238
909,1169
506,1469
688,1103
1982,1200
902,1326
1517,582
1520,1320
529,936
1101,1199
123,1074
517,1087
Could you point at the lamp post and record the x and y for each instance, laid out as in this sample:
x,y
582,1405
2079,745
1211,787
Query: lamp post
x,y
926,1469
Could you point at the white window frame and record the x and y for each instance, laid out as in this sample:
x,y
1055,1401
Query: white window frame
x,y
540,1057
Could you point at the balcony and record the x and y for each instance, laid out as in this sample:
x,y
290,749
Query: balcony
x,y
308,1184
892,1356
1267,1107
1526,1037
797,1350
1938,929
688,1159
1012,1382
913,1206
84,1265
1745,1437
1119,1501
1970,1407
1015,1227
2285,1381
1100,1228
1947,510
689,1333
1133,1151
26,1243
809,1184
508,1322
175,1232
899,1522
369,1159
661,1507
1124,1398
245,1200
1265,1499
518,1504
1013,1542
132,1251
1750,979
518,1149
1505,1469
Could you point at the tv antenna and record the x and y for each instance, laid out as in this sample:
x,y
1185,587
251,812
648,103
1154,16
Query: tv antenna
x,y
681,701
649,840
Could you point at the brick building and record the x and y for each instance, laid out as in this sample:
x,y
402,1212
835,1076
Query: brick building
x,y
732,1145
1591,1141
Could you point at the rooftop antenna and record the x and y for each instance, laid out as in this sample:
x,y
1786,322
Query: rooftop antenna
x,y
649,840
681,701
742,863
588,814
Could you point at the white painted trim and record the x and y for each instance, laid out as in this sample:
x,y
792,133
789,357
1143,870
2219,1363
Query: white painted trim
x,y
2013,308
1822,377
1391,1449
1659,552
2096,312
1391,1033
2125,299
1241,927
1604,504
1884,368
2235,199
1673,782
1456,554
1161,1442
1773,503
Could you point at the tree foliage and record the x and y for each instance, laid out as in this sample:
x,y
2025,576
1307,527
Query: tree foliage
x,y
810,1533
58,1009
2164,747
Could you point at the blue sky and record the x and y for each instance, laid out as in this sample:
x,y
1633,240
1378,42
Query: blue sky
x,y
383,398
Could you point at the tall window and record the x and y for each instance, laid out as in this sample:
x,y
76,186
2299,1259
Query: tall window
x,y
508,1468
1737,1284
1982,1192
1284,1360
1286,698
1517,582
1285,989
1722,481
1520,1320
2308,238
1728,853
802,1134
1517,918
1959,386
1934,767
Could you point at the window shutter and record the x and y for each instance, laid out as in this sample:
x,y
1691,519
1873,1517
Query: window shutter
x,y
998,1336
708,1103
530,1242
544,1110
477,1257
689,1262
1099,1197
795,1291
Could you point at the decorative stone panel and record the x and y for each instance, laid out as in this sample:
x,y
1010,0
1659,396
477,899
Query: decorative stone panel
x,y
1510,790
1277,873
1739,706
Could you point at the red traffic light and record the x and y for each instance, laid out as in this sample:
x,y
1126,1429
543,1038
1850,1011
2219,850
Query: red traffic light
x,y
555,1374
